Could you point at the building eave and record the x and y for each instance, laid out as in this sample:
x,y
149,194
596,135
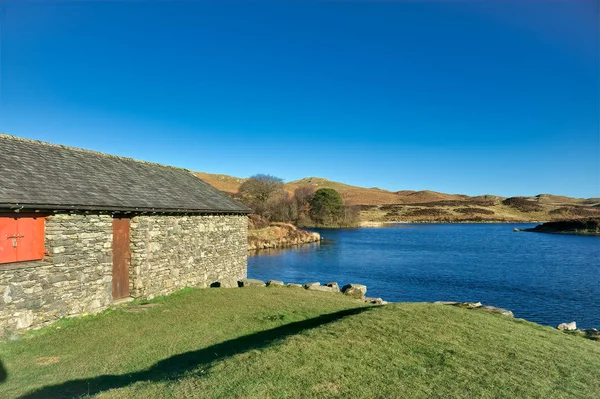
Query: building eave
x,y
18,207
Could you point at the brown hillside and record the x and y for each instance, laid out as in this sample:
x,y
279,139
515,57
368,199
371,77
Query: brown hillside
x,y
557,199
429,196
406,202
352,195
228,184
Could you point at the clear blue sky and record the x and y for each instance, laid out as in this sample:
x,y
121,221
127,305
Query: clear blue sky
x,y
470,97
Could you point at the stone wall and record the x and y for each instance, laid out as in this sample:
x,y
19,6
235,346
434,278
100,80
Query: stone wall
x,y
73,279
172,252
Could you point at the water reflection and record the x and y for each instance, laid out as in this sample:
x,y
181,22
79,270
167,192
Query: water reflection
x,y
310,247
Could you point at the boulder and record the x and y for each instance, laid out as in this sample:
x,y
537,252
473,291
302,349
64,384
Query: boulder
x,y
493,309
250,282
334,286
375,301
225,283
307,285
274,282
355,290
567,326
592,333
294,285
446,303
469,305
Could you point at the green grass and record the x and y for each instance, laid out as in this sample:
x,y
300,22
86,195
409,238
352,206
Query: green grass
x,y
289,342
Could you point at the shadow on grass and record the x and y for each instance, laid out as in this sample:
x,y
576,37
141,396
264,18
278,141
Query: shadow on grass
x,y
3,373
176,366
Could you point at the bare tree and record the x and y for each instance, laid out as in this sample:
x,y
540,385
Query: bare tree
x,y
302,195
259,190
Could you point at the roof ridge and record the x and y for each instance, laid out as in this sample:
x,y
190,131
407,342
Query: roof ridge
x,y
84,150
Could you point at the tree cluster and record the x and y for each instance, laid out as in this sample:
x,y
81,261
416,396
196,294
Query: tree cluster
x,y
305,207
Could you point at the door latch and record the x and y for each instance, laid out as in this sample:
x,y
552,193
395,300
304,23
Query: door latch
x,y
14,239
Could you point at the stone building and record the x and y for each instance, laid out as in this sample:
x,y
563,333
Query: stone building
x,y
81,230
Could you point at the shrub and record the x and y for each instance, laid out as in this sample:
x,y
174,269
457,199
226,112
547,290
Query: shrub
x,y
522,204
577,211
427,212
326,206
474,211
256,222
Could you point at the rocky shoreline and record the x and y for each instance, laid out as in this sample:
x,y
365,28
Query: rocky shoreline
x,y
280,235
386,224
359,291
589,226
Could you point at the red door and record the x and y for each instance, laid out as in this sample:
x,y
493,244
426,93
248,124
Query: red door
x,y
21,238
30,241
121,258
8,245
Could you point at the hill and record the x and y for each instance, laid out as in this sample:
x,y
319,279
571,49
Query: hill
x,y
280,342
225,183
379,206
353,195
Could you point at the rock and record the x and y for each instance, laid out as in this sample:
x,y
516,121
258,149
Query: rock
x,y
334,286
275,282
25,319
294,285
250,282
493,309
375,301
446,303
355,290
307,285
592,333
567,326
225,283
228,282
469,305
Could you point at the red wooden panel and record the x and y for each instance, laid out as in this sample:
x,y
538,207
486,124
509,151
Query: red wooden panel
x,y
8,228
121,258
30,238
21,238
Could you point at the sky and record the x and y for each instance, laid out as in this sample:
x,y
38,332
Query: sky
x,y
473,97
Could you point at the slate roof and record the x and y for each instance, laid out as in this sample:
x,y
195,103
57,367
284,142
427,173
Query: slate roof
x,y
39,175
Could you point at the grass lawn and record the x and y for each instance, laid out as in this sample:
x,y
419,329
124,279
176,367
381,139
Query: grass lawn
x,y
288,342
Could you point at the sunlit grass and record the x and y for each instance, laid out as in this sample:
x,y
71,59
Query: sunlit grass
x,y
289,342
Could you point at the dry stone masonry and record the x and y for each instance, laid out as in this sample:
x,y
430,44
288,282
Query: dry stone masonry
x,y
172,252
73,279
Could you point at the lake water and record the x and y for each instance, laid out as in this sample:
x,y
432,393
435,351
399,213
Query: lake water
x,y
545,278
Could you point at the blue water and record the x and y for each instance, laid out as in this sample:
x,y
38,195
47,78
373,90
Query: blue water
x,y
545,278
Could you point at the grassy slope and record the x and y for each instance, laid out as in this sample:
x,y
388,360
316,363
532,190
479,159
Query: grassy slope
x,y
373,198
288,342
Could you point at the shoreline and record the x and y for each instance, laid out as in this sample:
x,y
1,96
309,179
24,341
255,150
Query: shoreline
x,y
280,235
386,224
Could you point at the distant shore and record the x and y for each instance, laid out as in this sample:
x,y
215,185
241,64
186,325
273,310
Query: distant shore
x,y
279,235
386,224
584,227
